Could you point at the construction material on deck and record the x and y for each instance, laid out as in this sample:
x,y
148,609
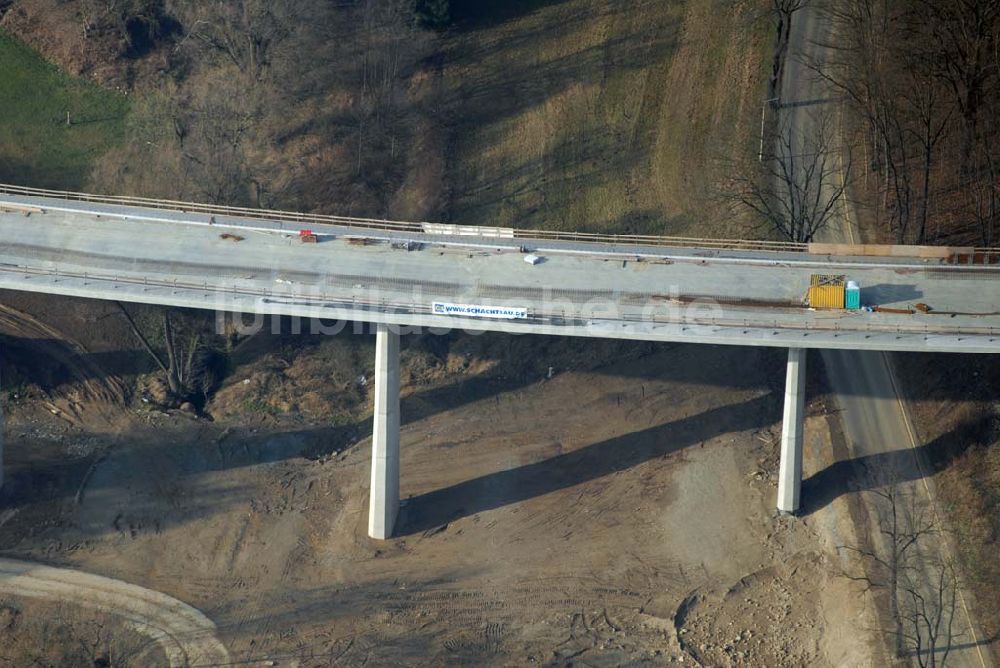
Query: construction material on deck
x,y
826,291
947,253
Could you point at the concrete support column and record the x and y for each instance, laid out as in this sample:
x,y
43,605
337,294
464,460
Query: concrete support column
x,y
384,503
792,428
3,425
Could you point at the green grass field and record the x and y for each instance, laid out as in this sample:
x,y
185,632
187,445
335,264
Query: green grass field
x,y
37,148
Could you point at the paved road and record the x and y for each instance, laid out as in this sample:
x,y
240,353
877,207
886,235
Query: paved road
x,y
873,417
186,635
671,294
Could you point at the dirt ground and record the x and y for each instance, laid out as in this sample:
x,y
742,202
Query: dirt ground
x,y
622,514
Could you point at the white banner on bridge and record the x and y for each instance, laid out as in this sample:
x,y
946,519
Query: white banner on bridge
x,y
468,230
479,311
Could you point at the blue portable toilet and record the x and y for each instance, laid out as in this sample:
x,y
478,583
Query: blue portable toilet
x,y
852,296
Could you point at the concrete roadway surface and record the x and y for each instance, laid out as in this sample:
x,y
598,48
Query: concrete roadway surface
x,y
735,297
874,418
187,637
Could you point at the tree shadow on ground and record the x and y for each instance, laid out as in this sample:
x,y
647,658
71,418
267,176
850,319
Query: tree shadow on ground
x,y
53,362
479,14
553,63
37,174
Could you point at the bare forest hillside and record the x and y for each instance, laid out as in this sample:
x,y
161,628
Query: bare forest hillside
x,y
922,80
526,113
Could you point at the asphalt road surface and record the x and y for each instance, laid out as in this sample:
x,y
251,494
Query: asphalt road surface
x,y
874,419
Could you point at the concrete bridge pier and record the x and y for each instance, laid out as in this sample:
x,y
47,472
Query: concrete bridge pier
x,y
3,425
792,428
384,498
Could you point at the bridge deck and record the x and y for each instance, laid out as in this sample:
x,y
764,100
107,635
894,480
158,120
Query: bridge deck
x,y
723,295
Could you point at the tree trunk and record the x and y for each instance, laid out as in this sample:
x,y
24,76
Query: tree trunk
x,y
925,205
894,608
173,373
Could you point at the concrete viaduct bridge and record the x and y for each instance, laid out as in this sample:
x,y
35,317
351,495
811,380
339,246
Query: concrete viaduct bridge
x,y
401,276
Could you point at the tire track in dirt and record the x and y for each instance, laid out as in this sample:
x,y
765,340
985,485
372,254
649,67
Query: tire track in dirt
x,y
186,635
97,384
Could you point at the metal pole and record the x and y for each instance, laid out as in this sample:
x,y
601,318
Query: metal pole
x,y
763,109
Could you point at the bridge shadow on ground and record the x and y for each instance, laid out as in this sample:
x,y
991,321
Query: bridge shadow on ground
x,y
494,490
514,362
157,468
636,361
925,376
868,472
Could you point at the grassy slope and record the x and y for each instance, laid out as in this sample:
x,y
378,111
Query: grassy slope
x,y
598,116
37,148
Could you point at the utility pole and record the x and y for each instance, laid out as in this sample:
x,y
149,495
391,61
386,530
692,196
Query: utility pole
x,y
763,109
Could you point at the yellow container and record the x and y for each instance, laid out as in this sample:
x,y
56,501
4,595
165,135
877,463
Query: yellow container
x,y
826,291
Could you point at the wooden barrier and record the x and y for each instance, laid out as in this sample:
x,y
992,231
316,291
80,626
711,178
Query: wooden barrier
x,y
891,250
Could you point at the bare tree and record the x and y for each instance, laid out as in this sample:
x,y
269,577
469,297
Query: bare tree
x,y
388,33
114,16
301,104
216,143
856,64
862,66
932,116
920,591
797,191
928,609
782,10
190,369
890,62
985,200
245,32
959,46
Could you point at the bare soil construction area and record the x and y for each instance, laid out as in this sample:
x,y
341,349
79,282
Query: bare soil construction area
x,y
602,517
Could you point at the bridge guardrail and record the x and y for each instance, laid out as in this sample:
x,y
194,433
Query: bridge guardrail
x,y
405,226
972,256
406,307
